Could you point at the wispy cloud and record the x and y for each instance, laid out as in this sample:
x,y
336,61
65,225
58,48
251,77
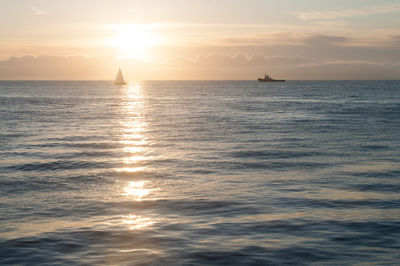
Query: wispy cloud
x,y
332,14
326,40
38,11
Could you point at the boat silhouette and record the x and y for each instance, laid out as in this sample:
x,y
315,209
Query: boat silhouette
x,y
269,79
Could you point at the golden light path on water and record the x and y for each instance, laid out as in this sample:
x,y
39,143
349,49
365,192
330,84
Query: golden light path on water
x,y
137,221
136,152
136,189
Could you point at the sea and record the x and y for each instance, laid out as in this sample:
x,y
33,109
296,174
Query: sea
x,y
200,173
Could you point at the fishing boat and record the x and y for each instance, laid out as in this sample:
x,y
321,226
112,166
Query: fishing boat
x,y
119,80
269,79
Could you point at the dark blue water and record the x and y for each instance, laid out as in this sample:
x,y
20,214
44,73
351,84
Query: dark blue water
x,y
200,173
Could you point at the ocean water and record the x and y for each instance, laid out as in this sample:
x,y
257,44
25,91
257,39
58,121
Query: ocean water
x,y
200,173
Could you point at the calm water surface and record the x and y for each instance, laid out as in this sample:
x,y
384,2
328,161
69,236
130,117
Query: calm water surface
x,y
200,173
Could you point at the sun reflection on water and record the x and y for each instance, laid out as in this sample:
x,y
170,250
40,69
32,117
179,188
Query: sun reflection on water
x,y
133,149
137,221
135,142
136,159
137,189
131,169
133,129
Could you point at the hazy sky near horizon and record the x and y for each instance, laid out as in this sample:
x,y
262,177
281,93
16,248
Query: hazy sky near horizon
x,y
200,39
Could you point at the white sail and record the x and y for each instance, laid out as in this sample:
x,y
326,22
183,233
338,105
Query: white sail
x,y
119,80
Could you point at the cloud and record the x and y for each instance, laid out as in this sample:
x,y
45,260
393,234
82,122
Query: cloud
x,y
56,67
243,66
38,11
333,23
216,66
345,71
325,40
243,60
326,15
396,40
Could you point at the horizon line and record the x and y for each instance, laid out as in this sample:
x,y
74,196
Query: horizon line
x,y
105,80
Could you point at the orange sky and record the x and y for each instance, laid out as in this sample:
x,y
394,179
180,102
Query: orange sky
x,y
176,39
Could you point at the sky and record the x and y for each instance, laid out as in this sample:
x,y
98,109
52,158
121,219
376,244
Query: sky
x,y
199,39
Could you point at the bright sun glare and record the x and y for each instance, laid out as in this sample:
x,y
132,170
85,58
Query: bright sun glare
x,y
134,41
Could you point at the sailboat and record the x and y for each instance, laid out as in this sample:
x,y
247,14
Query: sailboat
x,y
119,80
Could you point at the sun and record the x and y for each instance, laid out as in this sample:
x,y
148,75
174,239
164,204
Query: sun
x,y
134,41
